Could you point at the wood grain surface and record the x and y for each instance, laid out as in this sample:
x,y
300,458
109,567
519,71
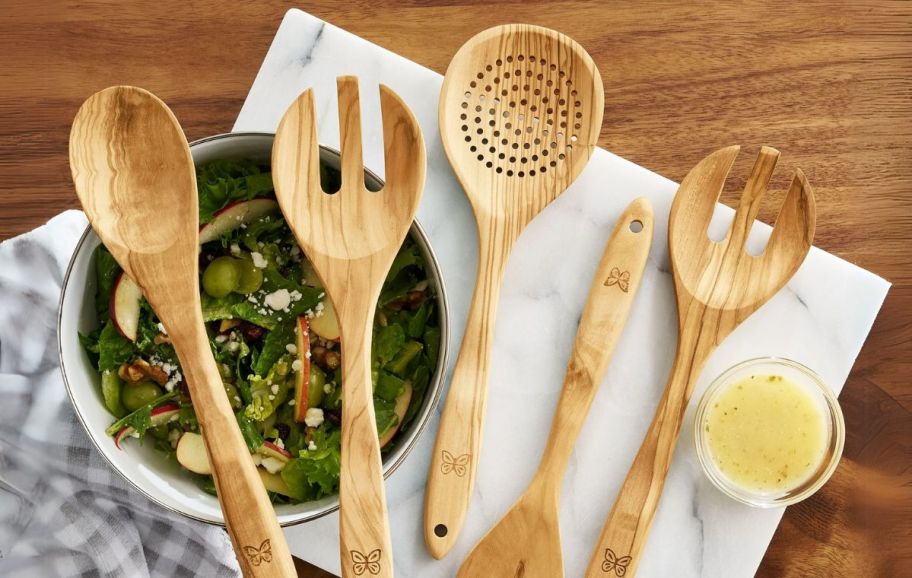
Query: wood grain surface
x,y
828,84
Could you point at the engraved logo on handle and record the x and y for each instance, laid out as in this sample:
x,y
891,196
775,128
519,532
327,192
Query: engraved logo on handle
x,y
369,563
457,465
615,564
619,278
259,555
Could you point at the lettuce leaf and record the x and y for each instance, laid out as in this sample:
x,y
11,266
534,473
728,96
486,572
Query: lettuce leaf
x,y
315,473
113,348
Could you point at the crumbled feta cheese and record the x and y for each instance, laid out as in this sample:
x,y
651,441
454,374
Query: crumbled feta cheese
x,y
421,285
271,397
161,329
321,295
257,459
297,365
296,295
319,307
173,436
295,250
258,260
313,417
307,354
278,299
221,338
233,346
327,388
235,249
273,465
311,446
274,389
291,402
173,380
252,299
134,434
291,348
279,443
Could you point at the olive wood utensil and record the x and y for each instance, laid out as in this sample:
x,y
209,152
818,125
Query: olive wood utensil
x,y
526,542
717,285
351,238
520,112
135,179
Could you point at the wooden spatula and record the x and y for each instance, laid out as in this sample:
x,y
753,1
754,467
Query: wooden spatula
x,y
135,179
526,542
351,237
718,285
520,112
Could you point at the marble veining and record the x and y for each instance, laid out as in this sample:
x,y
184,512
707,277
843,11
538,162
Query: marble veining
x,y
828,309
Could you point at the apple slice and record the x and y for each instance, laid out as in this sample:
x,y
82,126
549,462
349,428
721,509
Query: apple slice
x,y
326,325
191,453
402,404
234,215
302,375
124,306
159,416
270,450
274,483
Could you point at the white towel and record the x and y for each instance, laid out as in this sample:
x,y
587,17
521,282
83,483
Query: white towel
x,y
63,510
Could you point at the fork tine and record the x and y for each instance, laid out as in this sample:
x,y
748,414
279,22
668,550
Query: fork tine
x,y
749,205
300,124
697,196
403,144
793,231
350,134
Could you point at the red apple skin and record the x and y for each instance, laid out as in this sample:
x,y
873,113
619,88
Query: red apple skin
x,y
270,449
402,403
123,308
159,415
302,378
234,215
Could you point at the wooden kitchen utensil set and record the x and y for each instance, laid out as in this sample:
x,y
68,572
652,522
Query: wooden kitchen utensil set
x,y
520,114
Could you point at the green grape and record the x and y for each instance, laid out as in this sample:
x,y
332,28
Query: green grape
x,y
315,389
251,277
221,276
136,395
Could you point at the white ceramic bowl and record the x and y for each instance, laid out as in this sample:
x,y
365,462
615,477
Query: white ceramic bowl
x,y
163,480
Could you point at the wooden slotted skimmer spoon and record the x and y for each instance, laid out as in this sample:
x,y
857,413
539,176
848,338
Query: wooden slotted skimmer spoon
x,y
135,179
351,238
526,541
520,112
717,285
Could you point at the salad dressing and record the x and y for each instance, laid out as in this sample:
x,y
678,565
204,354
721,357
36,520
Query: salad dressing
x,y
766,433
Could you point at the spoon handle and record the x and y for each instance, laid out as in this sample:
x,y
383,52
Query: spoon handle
x,y
452,471
620,545
364,534
614,288
249,516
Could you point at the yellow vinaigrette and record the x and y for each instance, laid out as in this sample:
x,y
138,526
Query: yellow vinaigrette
x,y
766,433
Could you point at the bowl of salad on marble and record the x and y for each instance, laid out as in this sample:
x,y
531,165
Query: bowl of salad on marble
x,y
273,334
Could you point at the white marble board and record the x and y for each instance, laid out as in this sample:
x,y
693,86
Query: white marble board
x,y
826,310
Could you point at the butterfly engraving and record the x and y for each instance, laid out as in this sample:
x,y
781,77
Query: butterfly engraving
x,y
451,464
259,555
612,562
619,278
369,563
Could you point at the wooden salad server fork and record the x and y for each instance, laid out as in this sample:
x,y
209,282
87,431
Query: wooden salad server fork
x,y
135,179
520,112
717,286
526,542
351,238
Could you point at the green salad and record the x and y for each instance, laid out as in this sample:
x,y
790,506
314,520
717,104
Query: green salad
x,y
275,339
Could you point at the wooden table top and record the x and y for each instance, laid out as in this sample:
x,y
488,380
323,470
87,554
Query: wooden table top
x,y
829,84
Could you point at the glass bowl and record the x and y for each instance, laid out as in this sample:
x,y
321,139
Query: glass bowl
x,y
834,437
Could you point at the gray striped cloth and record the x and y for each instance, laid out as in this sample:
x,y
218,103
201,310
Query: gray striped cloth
x,y
63,510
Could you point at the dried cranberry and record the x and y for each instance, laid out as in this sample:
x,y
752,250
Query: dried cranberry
x,y
334,416
250,331
284,430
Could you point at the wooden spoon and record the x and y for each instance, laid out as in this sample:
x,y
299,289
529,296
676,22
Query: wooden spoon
x,y
718,285
135,179
520,112
526,541
351,237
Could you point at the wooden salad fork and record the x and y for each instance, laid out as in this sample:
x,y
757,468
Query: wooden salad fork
x,y
717,286
135,179
351,238
520,112
526,542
